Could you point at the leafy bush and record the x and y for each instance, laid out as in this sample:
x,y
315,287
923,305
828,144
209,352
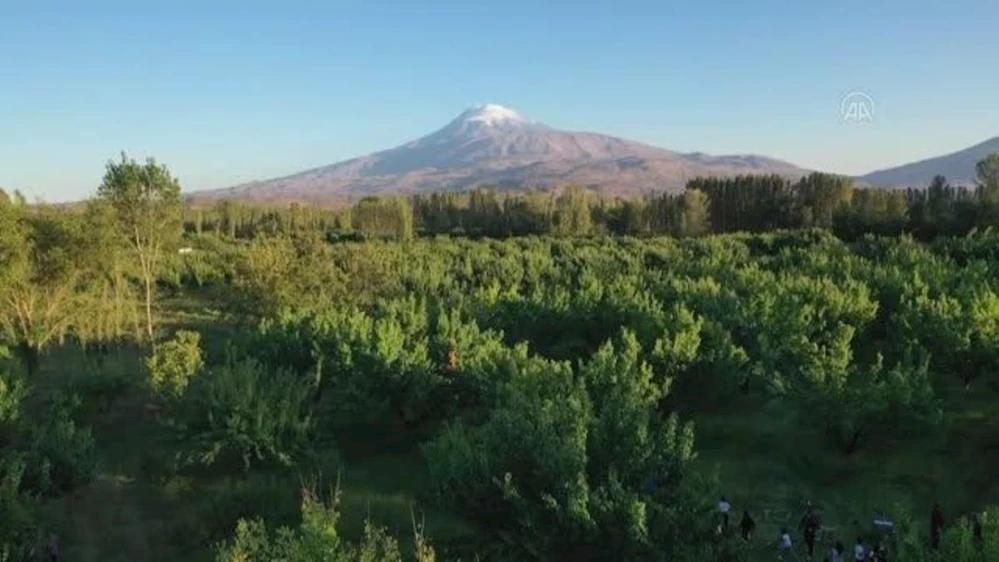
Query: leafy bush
x,y
241,410
571,465
40,456
59,454
16,509
315,540
174,363
13,390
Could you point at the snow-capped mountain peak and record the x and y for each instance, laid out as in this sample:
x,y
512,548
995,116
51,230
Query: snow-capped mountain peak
x,y
492,114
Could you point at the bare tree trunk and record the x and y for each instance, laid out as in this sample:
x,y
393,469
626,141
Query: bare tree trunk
x,y
149,307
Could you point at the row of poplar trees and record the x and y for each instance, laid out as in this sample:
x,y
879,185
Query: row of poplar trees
x,y
750,203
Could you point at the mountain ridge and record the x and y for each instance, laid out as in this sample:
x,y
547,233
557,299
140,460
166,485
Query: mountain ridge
x,y
495,145
958,167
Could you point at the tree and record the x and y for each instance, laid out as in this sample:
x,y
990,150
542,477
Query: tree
x,y
39,286
695,217
573,212
111,304
383,217
988,186
988,172
821,195
147,203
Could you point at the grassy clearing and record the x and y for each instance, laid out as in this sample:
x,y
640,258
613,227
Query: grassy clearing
x,y
771,467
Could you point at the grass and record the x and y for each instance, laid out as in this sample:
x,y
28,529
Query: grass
x,y
771,467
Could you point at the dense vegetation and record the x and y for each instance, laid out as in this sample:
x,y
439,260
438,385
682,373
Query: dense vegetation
x,y
316,385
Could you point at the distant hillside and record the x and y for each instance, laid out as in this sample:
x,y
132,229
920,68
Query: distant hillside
x,y
494,145
958,168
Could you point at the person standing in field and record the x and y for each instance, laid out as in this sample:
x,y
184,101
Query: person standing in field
x,y
747,525
838,553
724,507
859,552
785,547
976,530
810,525
53,548
936,525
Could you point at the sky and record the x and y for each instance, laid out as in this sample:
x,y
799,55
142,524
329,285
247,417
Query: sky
x,y
225,92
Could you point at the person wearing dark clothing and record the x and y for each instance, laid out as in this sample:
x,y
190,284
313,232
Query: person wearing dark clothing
x,y
838,553
976,530
810,525
53,548
936,526
747,525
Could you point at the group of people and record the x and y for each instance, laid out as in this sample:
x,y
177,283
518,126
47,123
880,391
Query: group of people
x,y
811,524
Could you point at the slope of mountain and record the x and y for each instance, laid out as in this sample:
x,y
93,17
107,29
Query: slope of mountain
x,y
958,168
494,145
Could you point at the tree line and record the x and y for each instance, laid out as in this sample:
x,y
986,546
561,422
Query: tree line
x,y
754,203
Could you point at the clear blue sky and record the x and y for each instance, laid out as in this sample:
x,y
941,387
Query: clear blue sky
x,y
225,92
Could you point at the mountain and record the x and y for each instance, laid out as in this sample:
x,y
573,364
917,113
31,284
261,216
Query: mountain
x,y
958,168
495,145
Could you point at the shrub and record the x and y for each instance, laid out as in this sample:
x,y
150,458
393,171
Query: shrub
x,y
315,540
174,363
241,410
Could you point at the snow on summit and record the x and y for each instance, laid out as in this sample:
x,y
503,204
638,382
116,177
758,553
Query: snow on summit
x,y
492,114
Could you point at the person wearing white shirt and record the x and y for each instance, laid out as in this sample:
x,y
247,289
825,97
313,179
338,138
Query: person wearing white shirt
x,y
786,546
859,552
724,507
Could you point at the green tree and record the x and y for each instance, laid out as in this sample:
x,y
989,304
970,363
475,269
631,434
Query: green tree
x,y
39,287
111,305
987,171
695,218
572,215
147,202
988,188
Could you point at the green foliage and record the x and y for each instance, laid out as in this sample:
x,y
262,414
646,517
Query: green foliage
x,y
383,218
59,453
562,465
545,376
242,410
41,289
910,541
147,204
13,390
42,455
174,363
695,218
987,171
315,540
